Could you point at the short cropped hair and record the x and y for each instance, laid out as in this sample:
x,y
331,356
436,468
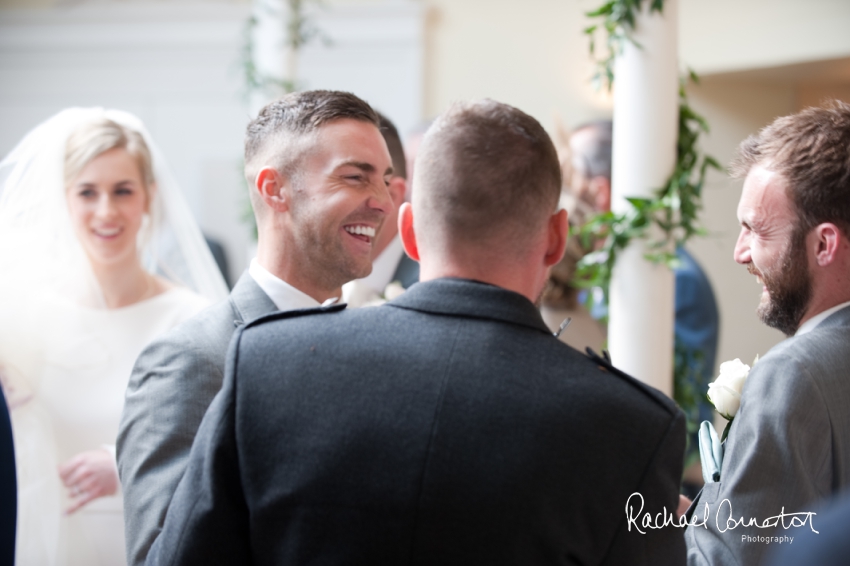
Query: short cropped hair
x,y
595,158
485,170
99,136
272,138
811,150
393,141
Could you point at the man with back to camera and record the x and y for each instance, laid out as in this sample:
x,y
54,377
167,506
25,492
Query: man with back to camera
x,y
391,264
789,444
448,426
317,168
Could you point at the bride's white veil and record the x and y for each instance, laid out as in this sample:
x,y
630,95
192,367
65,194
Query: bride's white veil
x,y
38,248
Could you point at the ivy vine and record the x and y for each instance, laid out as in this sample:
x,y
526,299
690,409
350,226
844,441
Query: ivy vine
x,y
673,209
618,19
300,30
675,206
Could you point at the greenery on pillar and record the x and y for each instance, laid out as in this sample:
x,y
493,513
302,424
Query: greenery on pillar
x,y
300,30
673,210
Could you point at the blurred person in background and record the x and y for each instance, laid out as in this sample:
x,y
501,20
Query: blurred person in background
x,y
99,255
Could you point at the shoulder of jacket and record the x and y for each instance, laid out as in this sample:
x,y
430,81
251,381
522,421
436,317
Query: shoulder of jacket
x,y
203,331
603,363
296,313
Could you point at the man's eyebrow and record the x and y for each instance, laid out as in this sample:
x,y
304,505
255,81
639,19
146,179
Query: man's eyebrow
x,y
365,167
362,165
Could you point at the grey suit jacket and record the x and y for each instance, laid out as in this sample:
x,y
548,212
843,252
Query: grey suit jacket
x,y
173,382
447,427
789,447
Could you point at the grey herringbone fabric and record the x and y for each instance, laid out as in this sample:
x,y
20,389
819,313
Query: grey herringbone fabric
x,y
788,448
173,382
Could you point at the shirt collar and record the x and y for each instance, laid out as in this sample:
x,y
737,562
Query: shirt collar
x,y
283,295
812,323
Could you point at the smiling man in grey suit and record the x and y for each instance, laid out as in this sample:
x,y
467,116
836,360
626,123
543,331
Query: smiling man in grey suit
x,y
789,445
448,426
317,169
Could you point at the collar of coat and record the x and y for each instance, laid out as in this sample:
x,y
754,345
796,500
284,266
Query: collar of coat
x,y
465,297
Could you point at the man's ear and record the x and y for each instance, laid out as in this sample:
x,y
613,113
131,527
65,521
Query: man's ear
x,y
828,239
272,187
600,191
405,230
558,231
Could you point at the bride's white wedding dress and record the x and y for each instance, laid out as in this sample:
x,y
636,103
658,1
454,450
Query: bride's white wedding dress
x,y
67,374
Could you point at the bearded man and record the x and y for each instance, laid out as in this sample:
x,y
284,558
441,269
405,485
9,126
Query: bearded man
x,y
789,444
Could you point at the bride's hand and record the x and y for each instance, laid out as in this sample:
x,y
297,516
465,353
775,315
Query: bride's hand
x,y
89,475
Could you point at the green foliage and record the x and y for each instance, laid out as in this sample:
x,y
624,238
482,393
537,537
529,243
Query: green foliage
x,y
618,19
300,30
689,390
673,209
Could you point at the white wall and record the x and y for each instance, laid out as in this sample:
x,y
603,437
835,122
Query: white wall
x,y
533,54
725,35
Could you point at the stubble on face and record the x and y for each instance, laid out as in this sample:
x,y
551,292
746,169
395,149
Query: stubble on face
x,y
789,287
331,264
324,202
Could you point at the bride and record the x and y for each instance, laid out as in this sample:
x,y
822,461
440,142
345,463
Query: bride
x,y
98,255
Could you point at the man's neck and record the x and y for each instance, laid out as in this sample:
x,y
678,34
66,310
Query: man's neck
x,y
279,264
522,279
829,289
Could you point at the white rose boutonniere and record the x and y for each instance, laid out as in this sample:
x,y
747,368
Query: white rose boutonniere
x,y
725,392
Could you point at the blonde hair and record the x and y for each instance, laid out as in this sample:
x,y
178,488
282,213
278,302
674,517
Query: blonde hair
x,y
99,136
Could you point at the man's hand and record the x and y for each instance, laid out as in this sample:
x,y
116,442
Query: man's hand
x,y
89,475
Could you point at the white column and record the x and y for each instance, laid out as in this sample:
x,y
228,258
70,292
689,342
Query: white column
x,y
640,329
272,55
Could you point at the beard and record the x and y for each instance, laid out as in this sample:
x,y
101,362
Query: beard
x,y
789,287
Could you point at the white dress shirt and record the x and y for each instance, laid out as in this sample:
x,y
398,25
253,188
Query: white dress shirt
x,y
283,295
810,324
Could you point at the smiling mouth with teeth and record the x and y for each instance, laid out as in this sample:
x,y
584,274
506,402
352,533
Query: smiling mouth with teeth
x,y
107,233
365,233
